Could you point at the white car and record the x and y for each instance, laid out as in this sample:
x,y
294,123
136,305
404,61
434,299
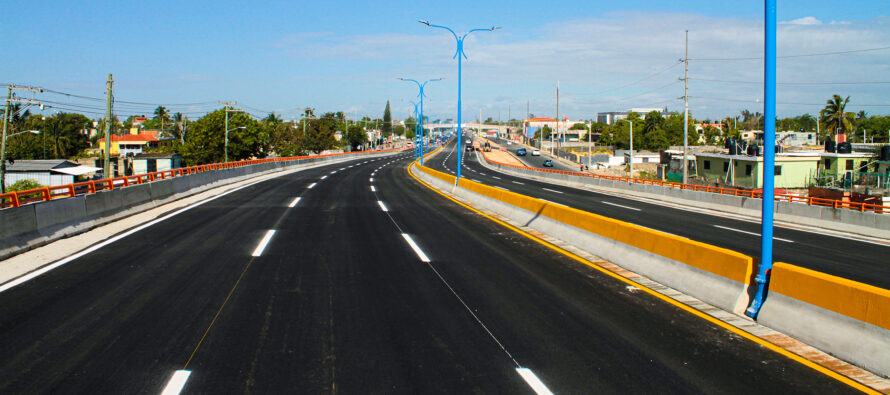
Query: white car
x,y
536,153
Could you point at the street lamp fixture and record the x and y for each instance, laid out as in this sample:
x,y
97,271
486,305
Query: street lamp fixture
x,y
460,55
421,95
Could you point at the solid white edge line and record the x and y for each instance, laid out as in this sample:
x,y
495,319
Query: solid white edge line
x,y
416,249
176,382
382,206
263,243
311,185
373,189
63,261
551,190
751,233
558,204
500,187
533,381
294,203
622,206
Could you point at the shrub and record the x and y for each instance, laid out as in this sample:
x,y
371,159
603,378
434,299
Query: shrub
x,y
24,185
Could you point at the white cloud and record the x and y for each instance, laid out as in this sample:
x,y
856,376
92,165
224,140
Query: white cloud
x,y
809,20
595,58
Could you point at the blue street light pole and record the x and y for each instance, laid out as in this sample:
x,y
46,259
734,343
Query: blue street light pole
x,y
769,157
459,54
415,131
421,94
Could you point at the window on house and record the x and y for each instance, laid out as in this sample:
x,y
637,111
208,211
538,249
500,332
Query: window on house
x,y
747,170
827,163
725,167
778,170
863,166
151,165
707,165
849,164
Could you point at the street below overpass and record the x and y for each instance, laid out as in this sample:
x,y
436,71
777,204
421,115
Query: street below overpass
x,y
855,259
355,278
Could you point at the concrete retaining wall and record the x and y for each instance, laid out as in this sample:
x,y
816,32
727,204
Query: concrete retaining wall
x,y
844,220
33,225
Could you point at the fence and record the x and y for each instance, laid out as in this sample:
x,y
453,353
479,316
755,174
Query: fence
x,y
18,198
812,201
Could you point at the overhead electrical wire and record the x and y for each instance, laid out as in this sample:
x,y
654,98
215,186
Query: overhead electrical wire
x,y
792,83
796,56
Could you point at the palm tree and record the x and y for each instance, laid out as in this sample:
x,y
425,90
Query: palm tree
x,y
833,115
272,118
161,112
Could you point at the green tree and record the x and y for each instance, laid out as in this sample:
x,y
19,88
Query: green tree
x,y
285,139
543,133
356,137
205,142
272,118
410,124
162,114
320,133
387,121
834,116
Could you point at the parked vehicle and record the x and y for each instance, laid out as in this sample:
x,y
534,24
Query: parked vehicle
x,y
521,152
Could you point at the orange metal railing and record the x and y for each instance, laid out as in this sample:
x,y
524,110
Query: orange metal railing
x,y
18,198
723,191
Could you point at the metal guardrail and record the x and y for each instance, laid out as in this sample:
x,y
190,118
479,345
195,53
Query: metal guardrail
x,y
18,198
838,204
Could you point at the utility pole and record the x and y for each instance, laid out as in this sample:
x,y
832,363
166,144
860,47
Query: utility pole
x,y
227,104
686,112
557,119
109,98
10,99
589,143
631,149
3,149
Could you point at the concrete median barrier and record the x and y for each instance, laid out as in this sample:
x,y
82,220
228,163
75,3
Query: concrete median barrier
x,y
842,317
845,220
848,319
714,275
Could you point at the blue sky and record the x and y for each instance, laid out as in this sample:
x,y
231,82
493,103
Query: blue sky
x,y
347,56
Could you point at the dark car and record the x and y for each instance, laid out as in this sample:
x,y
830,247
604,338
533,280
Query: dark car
x,y
521,152
548,163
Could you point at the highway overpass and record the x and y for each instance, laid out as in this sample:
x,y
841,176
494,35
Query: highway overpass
x,y
352,277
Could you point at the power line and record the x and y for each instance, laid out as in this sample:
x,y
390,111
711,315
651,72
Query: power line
x,y
637,95
799,55
638,81
793,83
784,103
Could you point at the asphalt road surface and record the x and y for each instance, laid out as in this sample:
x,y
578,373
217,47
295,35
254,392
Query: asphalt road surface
x,y
369,283
857,260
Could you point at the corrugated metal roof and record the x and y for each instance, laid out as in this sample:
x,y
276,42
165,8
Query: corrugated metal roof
x,y
39,165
